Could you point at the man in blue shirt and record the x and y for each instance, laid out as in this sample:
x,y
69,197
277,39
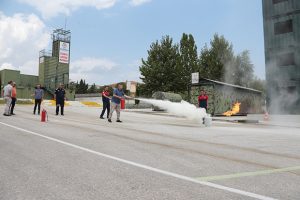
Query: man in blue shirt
x,y
38,98
118,94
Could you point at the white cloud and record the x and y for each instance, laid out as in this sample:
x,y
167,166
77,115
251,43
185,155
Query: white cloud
x,y
138,2
91,69
21,38
52,8
7,66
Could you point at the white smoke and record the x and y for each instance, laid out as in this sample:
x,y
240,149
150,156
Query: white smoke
x,y
182,109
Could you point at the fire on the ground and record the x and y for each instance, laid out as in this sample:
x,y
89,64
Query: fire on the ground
x,y
235,110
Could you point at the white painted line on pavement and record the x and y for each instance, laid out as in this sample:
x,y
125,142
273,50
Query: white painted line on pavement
x,y
171,174
248,174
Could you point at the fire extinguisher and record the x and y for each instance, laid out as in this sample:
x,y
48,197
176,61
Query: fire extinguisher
x,y
44,115
122,103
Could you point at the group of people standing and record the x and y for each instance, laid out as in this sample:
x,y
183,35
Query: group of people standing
x,y
110,103
9,94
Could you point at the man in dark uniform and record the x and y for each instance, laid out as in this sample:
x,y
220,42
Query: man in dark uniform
x,y
59,96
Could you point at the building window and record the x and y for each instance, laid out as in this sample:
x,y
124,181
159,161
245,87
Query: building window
x,y
286,59
283,27
278,1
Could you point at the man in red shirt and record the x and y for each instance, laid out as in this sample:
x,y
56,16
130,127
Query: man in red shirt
x,y
106,102
13,98
202,100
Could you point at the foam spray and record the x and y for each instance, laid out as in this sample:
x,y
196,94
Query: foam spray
x,y
182,109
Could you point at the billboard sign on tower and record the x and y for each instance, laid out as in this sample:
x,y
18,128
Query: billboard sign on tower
x,y
64,52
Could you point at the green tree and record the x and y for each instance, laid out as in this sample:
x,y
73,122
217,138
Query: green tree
x,y
92,89
258,84
161,71
188,58
243,70
216,59
81,87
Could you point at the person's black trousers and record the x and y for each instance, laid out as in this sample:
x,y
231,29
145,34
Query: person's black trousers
x,y
37,103
12,105
60,103
106,106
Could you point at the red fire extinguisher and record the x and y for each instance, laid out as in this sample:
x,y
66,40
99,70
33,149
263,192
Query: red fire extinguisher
x,y
44,115
122,103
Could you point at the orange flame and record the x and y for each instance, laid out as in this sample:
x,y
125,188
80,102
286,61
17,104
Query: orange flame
x,y
235,109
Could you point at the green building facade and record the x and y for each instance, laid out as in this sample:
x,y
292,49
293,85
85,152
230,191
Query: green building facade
x,y
54,68
25,83
282,54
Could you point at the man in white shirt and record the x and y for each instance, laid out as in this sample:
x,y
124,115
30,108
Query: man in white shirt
x,y
7,93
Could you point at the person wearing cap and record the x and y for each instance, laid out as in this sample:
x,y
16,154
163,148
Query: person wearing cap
x,y
60,97
13,98
106,102
7,93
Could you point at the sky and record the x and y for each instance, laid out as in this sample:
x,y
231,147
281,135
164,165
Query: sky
x,y
110,37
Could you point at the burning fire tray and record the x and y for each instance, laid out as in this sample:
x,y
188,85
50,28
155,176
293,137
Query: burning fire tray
x,y
234,115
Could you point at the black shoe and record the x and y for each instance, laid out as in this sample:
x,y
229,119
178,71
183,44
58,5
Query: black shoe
x,y
62,114
109,120
101,117
56,114
119,121
12,114
6,115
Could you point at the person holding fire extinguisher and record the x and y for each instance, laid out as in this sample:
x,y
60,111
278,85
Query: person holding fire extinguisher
x,y
60,98
106,102
118,95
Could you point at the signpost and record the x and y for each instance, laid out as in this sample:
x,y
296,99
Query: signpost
x,y
195,78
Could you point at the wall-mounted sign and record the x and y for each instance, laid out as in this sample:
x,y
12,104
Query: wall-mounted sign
x,y
195,77
64,52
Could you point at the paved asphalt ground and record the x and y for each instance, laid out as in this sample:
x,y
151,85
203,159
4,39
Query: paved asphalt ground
x,y
148,156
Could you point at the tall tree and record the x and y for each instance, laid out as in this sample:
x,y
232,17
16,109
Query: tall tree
x,y
188,58
217,58
161,71
244,69
92,89
82,87
258,84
